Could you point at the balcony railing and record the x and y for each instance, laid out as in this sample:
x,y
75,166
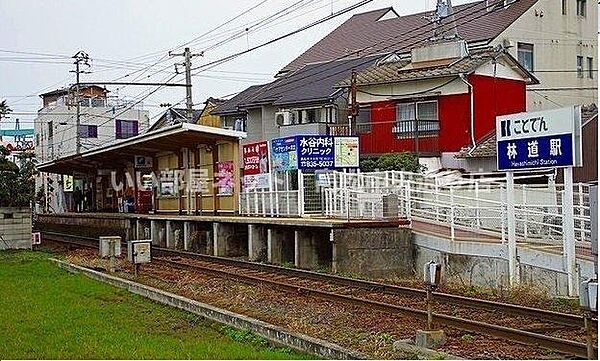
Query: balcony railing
x,y
338,129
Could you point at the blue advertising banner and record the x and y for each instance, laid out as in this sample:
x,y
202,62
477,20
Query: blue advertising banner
x,y
543,139
315,152
283,154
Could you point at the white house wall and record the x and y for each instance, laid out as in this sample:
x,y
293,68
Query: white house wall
x,y
409,88
64,138
557,40
502,70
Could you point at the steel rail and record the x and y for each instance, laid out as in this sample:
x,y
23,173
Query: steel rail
x,y
566,319
519,336
546,315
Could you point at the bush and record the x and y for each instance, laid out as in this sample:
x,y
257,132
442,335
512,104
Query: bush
x,y
17,184
404,161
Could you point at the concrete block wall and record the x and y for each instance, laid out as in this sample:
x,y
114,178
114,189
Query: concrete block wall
x,y
312,248
15,228
257,242
230,239
280,245
92,226
175,234
198,237
488,272
373,252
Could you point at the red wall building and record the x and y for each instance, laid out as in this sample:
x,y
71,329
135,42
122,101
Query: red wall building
x,y
492,96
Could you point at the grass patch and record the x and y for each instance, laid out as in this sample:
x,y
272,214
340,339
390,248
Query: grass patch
x,y
48,313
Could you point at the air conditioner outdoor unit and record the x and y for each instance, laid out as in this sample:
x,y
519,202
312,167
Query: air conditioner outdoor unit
x,y
284,118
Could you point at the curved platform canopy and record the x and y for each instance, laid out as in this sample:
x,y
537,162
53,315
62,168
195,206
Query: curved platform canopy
x,y
168,139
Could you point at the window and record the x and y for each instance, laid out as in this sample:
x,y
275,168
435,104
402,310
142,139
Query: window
x,y
363,120
239,124
579,66
564,7
88,131
525,55
50,130
421,116
311,116
405,119
126,128
581,7
590,64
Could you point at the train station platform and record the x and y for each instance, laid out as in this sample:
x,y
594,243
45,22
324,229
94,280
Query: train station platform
x,y
367,247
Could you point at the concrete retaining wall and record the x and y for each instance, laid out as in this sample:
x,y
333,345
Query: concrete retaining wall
x,y
485,264
270,332
93,227
373,252
15,227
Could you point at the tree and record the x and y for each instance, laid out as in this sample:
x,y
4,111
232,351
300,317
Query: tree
x,y
404,161
4,109
17,183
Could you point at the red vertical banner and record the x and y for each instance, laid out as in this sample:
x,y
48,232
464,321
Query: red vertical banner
x,y
255,157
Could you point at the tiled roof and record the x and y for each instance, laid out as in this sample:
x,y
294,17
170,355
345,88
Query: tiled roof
x,y
177,116
486,146
364,31
404,70
312,83
231,106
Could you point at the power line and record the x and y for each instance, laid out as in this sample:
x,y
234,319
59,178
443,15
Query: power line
x,y
338,61
165,57
245,31
318,22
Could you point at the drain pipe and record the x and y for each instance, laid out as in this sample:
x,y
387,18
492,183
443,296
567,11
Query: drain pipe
x,y
472,130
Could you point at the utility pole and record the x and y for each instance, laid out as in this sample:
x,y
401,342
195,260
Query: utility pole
x,y
187,55
353,105
80,58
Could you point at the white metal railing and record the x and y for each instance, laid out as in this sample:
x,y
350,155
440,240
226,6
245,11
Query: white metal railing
x,y
477,205
271,203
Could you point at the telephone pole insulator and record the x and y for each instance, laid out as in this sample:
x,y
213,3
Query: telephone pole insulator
x,y
187,54
80,58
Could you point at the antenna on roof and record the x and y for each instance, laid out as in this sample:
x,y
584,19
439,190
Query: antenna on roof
x,y
443,11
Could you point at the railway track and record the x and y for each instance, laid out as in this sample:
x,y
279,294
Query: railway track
x,y
294,280
566,319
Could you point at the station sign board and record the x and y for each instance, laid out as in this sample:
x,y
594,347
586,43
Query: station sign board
x,y
255,158
535,140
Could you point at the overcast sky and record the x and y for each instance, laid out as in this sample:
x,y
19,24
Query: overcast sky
x,y
122,36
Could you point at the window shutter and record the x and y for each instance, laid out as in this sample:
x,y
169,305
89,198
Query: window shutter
x,y
93,131
118,129
135,127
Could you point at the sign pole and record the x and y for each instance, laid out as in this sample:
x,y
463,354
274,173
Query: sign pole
x,y
569,232
513,273
300,193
